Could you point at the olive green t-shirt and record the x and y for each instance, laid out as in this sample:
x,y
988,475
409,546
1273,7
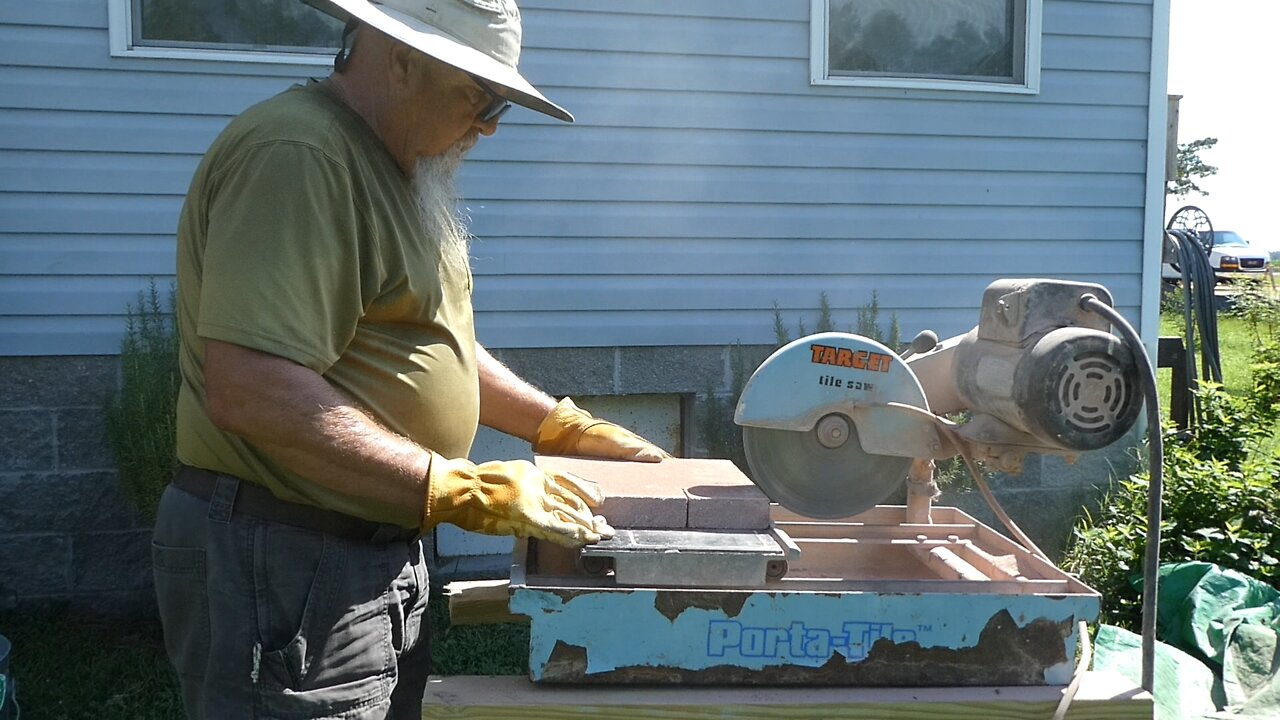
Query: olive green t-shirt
x,y
300,237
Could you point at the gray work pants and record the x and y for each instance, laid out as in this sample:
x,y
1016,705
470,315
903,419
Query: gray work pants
x,y
266,620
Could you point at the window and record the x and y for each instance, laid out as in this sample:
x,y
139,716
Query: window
x,y
288,31
985,45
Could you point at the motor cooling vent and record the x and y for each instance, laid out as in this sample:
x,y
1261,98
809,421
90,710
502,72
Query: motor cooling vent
x,y
1079,388
1095,393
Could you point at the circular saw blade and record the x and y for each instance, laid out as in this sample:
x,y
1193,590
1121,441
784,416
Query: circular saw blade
x,y
799,473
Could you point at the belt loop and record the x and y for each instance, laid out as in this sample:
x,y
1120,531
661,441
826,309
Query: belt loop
x,y
386,534
224,498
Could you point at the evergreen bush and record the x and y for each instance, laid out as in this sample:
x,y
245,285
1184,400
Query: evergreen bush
x,y
140,415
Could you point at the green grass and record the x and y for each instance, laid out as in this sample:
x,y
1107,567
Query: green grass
x,y
476,649
1235,344
69,666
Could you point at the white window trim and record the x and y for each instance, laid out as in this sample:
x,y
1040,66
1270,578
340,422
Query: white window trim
x,y
120,30
818,60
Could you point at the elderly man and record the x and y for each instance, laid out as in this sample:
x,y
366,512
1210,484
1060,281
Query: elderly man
x,y
331,381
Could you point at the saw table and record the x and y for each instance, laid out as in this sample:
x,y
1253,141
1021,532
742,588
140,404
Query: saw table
x,y
874,600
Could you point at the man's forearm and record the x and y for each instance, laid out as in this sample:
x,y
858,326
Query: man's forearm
x,y
507,403
305,424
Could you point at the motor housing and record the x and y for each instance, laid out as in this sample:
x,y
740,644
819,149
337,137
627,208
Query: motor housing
x,y
1041,364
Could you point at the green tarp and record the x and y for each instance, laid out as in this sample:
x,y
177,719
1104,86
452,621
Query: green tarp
x,y
1232,622
1228,624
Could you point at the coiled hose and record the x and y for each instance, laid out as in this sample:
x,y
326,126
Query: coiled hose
x,y
1199,314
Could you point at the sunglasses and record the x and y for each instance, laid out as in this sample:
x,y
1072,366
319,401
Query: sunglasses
x,y
498,105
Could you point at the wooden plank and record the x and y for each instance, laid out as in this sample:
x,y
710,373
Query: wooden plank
x,y
1172,353
949,565
480,602
1028,563
1101,697
859,531
1001,567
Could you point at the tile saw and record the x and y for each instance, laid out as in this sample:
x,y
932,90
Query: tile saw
x,y
833,588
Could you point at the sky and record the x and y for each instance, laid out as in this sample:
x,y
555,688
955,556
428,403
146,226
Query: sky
x,y
1222,60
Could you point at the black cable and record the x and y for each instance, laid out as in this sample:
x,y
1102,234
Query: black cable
x,y
1200,314
1188,269
1151,558
1207,310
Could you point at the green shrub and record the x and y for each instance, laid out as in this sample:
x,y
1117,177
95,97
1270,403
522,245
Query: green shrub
x,y
140,416
1221,505
1265,371
868,324
1259,307
720,435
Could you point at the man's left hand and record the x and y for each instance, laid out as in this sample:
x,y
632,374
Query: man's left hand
x,y
569,430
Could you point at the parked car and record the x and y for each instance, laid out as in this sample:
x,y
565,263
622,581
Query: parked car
x,y
1231,257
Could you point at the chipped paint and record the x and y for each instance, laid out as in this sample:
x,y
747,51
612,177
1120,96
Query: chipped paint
x,y
673,604
648,635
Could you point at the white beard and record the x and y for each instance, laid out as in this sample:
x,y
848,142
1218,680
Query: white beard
x,y
433,180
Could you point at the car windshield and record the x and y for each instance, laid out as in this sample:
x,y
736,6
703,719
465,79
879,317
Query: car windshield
x,y
1226,238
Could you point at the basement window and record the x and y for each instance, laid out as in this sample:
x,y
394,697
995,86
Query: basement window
x,y
278,31
980,45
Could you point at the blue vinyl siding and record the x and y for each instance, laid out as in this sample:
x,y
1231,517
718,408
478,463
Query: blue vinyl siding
x,y
704,182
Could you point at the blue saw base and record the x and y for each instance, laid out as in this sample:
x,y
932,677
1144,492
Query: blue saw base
x,y
872,601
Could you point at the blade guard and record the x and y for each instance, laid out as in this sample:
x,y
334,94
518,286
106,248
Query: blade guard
x,y
855,376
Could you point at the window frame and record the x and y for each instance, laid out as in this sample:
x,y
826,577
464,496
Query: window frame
x,y
819,70
120,31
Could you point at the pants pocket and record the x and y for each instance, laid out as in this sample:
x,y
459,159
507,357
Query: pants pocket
x,y
324,634
184,606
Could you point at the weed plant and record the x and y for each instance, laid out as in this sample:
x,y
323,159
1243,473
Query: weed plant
x,y
1258,305
140,417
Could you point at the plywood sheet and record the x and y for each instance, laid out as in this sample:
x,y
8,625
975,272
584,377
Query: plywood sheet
x,y
1101,697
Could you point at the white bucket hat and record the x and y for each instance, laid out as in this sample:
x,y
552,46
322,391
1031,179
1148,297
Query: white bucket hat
x,y
481,37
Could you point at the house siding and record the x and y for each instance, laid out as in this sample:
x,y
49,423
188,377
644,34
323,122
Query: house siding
x,y
705,182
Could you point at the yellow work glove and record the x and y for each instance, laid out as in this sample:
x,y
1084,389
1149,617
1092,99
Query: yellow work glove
x,y
568,430
513,498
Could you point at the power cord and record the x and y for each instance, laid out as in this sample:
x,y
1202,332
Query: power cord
x,y
1155,489
1077,677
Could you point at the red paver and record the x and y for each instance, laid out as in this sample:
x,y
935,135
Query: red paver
x,y
678,492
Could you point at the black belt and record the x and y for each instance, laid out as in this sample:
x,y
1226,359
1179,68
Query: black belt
x,y
255,500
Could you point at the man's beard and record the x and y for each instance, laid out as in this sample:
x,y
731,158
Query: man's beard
x,y
433,180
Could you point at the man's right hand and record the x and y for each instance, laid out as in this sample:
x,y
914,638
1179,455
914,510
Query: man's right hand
x,y
513,498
